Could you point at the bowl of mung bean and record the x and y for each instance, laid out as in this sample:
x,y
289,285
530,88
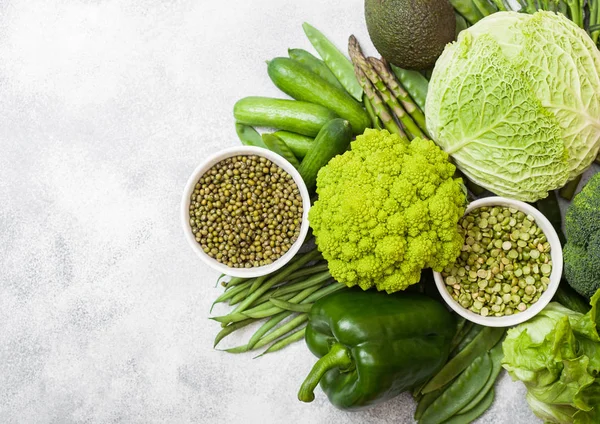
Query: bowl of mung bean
x,y
509,267
244,211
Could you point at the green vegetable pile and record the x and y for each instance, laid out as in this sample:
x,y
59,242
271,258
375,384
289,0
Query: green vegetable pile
x,y
387,209
556,355
511,107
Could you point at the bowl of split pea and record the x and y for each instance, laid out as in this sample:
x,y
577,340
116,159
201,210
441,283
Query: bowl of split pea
x,y
244,211
509,267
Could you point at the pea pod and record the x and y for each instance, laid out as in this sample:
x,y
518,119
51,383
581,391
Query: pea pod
x,y
461,334
467,339
316,65
483,342
474,413
414,83
249,136
299,144
467,9
460,392
277,145
496,356
427,400
300,83
291,115
335,60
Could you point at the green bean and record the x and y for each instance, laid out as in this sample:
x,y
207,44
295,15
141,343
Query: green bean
x,y
414,83
576,12
289,306
257,283
474,413
325,291
335,60
239,297
485,7
299,144
231,328
502,7
234,281
219,279
231,293
260,312
308,282
266,327
249,136
496,356
272,336
314,64
281,343
468,337
277,145
483,342
279,277
460,392
467,9
375,121
240,316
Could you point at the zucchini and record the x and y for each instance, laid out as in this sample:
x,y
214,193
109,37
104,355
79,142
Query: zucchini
x,y
299,82
332,140
299,144
291,115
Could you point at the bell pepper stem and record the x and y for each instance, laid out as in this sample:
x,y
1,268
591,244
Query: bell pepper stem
x,y
337,357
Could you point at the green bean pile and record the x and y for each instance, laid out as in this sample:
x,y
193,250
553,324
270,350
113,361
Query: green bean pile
x,y
287,294
464,388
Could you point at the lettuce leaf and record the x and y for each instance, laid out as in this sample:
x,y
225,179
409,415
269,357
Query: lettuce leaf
x,y
557,356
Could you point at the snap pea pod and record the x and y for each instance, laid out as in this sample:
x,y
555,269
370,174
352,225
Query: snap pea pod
x,y
467,339
414,83
266,327
485,7
277,145
467,9
281,343
249,136
460,392
299,144
427,400
474,413
335,60
496,356
460,335
482,343
314,64
230,329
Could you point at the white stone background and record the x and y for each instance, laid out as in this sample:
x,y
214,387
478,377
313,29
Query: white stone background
x,y
105,109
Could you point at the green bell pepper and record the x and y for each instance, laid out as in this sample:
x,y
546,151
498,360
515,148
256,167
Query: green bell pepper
x,y
374,345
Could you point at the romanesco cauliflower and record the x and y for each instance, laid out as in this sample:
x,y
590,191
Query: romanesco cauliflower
x,y
387,209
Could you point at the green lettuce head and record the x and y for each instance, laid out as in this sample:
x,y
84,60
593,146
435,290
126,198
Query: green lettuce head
x,y
556,355
516,102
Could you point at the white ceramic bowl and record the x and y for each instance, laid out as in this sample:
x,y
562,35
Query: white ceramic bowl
x,y
185,205
555,276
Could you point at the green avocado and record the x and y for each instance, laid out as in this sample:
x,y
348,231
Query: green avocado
x,y
411,34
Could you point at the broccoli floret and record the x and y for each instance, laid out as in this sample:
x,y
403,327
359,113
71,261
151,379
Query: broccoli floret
x,y
386,210
582,251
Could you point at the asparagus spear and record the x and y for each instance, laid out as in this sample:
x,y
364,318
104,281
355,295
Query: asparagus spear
x,y
390,80
359,60
377,103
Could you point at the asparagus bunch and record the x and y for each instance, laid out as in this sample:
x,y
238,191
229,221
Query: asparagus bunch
x,y
282,298
388,98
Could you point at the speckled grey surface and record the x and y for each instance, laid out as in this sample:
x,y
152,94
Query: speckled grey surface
x,y
106,107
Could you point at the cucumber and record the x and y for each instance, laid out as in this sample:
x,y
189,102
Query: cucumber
x,y
299,144
299,82
332,140
291,115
